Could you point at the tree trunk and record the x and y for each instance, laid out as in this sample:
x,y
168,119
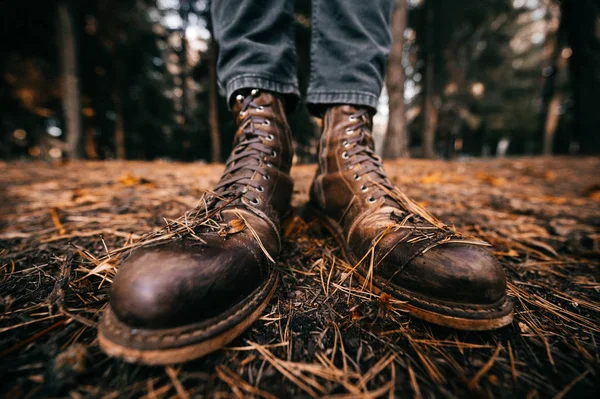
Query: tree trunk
x,y
70,96
119,129
117,97
213,103
430,112
187,95
550,97
581,21
552,117
396,139
90,144
430,121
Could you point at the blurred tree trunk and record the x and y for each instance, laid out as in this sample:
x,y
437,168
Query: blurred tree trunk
x,y
552,117
90,143
117,97
188,94
184,75
213,103
119,130
70,96
581,21
430,111
551,96
396,139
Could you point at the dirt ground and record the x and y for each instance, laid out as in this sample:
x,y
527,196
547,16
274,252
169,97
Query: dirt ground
x,y
62,227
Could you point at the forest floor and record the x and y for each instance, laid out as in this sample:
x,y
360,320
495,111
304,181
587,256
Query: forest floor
x,y
62,226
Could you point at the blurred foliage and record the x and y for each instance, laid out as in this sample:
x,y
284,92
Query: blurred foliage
x,y
498,64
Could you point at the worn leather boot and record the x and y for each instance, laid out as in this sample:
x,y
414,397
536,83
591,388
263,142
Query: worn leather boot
x,y
396,246
180,300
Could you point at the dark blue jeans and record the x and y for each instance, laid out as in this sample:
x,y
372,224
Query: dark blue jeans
x,y
350,43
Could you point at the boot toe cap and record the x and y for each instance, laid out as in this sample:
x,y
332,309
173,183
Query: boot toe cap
x,y
462,273
174,285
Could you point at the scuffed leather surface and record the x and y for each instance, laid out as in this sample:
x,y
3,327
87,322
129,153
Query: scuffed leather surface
x,y
197,278
409,252
186,281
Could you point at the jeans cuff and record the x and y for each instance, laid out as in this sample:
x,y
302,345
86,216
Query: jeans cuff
x,y
343,97
264,83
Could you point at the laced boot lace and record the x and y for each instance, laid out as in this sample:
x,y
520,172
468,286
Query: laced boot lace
x,y
359,144
249,156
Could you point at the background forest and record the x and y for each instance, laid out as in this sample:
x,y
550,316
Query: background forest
x,y
136,79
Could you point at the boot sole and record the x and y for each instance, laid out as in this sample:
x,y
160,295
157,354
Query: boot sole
x,y
177,345
447,314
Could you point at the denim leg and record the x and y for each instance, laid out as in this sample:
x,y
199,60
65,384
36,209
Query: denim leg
x,y
256,45
350,42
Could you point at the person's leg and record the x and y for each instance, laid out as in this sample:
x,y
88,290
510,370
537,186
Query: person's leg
x,y
350,42
441,276
256,45
184,296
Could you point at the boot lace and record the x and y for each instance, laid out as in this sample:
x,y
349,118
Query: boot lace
x,y
249,156
359,144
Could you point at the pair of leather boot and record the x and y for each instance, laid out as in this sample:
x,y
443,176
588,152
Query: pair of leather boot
x,y
180,300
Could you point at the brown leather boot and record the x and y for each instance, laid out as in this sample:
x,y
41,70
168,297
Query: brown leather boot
x,y
178,301
399,247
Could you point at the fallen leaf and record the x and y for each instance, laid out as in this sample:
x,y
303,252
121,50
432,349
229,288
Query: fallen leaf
x,y
294,227
496,181
555,200
524,328
431,178
492,180
549,175
131,180
232,227
595,195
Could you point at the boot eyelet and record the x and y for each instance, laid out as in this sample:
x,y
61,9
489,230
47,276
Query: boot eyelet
x,y
260,189
273,154
364,189
371,200
356,177
346,144
267,122
351,118
254,92
260,108
266,177
349,131
345,155
254,201
269,165
270,137
239,98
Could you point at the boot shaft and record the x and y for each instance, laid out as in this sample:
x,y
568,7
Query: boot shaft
x,y
266,113
257,171
338,187
339,124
